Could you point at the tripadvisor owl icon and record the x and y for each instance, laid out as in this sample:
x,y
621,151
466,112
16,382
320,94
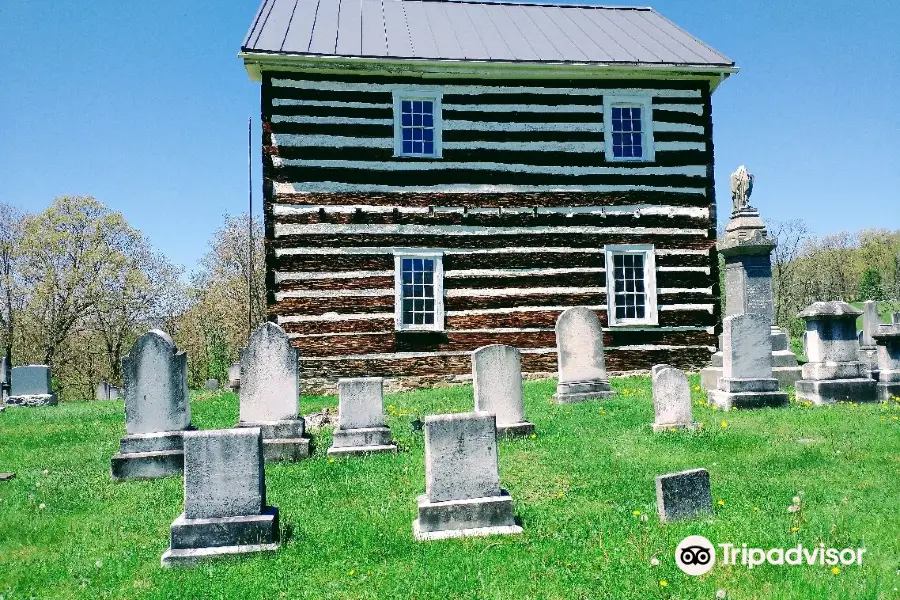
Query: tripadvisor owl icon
x,y
695,555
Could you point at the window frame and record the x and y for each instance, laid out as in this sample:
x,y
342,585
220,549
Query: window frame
x,y
652,308
438,278
646,105
433,96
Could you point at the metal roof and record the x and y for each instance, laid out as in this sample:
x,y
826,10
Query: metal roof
x,y
481,31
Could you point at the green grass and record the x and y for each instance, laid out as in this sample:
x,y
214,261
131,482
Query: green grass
x,y
576,487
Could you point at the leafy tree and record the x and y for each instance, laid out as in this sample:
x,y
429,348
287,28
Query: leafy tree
x,y
870,286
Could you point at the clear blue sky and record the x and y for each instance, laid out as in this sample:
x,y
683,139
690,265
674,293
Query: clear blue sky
x,y
144,105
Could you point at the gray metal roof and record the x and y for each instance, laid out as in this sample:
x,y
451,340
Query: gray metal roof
x,y
468,30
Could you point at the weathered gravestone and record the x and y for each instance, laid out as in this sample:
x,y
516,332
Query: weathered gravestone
x,y
834,371
157,409
30,386
746,248
4,380
462,496
684,495
225,510
497,379
579,355
234,377
211,385
361,427
107,391
868,347
888,339
270,394
747,380
895,318
671,400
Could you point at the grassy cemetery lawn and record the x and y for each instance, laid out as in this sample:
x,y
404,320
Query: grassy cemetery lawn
x,y
583,488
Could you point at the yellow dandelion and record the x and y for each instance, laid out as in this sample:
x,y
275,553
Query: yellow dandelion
x,y
795,529
724,424
720,502
603,412
835,570
756,508
351,572
559,494
533,435
331,460
663,583
696,388
636,513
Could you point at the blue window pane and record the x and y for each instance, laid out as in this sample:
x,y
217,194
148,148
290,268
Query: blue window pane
x,y
417,106
406,119
407,147
428,119
617,151
616,112
417,120
406,264
626,125
638,152
406,106
428,148
626,152
617,139
617,124
407,135
636,113
429,135
427,107
417,134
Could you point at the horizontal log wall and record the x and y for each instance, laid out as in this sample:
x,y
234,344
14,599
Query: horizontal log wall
x,y
522,202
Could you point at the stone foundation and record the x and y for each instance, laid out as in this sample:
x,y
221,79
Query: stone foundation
x,y
361,441
193,540
148,456
831,391
579,391
32,400
283,441
465,518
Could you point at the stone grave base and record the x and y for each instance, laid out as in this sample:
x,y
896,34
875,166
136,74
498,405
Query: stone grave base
x,y
361,441
515,429
282,440
32,400
465,518
579,391
832,391
148,456
884,390
193,540
747,393
663,427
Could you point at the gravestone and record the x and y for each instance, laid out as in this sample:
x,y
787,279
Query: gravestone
x,y
671,400
157,409
234,377
211,385
895,318
225,510
747,380
888,339
684,495
462,496
656,369
360,428
868,348
107,391
834,371
270,394
746,248
4,380
579,355
30,386
497,379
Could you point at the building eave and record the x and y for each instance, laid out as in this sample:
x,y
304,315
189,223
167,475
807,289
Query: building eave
x,y
256,62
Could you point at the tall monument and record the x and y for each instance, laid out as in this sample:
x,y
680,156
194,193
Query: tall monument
x,y
746,247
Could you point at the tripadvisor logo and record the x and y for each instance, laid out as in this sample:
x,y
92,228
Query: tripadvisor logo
x,y
696,555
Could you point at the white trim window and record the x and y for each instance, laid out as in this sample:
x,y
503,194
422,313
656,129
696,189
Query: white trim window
x,y
417,124
418,290
631,285
628,126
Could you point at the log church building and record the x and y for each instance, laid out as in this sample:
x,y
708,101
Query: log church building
x,y
442,175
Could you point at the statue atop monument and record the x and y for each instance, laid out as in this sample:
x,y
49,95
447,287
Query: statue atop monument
x,y
741,188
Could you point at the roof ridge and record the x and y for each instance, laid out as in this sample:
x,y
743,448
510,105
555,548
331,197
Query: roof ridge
x,y
540,3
